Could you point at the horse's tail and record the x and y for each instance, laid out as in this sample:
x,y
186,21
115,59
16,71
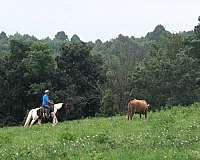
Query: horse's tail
x,y
28,119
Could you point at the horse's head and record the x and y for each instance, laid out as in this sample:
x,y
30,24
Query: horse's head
x,y
66,107
61,105
62,110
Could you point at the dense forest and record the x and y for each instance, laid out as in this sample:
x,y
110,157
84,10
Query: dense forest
x,y
98,78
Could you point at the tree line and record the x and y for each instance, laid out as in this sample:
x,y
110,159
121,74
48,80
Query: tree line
x,y
98,78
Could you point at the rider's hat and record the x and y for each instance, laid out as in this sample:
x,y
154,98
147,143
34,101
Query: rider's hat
x,y
46,91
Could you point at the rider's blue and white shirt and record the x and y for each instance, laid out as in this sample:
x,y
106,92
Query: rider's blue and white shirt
x,y
45,100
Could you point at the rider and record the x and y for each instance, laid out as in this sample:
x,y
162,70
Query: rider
x,y
46,102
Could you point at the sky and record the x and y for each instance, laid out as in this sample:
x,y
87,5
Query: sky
x,y
96,19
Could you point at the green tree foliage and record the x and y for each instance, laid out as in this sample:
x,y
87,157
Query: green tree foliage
x,y
27,66
4,44
3,35
40,70
193,43
168,77
157,33
81,75
197,29
121,55
109,103
75,39
55,44
61,36
162,68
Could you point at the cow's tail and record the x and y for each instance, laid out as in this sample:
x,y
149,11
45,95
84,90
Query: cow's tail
x,y
129,105
28,119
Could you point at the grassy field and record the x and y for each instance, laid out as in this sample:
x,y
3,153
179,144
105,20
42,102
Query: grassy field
x,y
172,134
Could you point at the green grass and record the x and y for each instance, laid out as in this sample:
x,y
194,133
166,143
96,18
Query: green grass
x,y
172,134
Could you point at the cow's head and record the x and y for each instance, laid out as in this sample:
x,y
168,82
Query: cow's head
x,y
149,107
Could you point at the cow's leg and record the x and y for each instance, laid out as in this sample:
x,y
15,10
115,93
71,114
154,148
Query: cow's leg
x,y
129,114
133,110
132,115
145,114
140,116
129,111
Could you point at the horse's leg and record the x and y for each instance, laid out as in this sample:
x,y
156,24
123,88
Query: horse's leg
x,y
28,119
55,120
33,120
39,121
140,116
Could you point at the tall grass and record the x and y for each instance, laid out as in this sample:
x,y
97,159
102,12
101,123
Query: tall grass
x,y
170,134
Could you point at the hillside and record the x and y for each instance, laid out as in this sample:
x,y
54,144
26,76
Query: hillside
x,y
170,134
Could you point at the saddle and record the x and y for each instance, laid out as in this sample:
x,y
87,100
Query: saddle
x,y
46,113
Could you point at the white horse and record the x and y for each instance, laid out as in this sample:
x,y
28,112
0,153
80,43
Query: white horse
x,y
35,114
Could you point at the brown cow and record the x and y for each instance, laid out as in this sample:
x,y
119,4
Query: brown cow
x,y
137,106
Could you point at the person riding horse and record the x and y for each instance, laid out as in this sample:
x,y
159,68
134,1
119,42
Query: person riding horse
x,y
46,103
